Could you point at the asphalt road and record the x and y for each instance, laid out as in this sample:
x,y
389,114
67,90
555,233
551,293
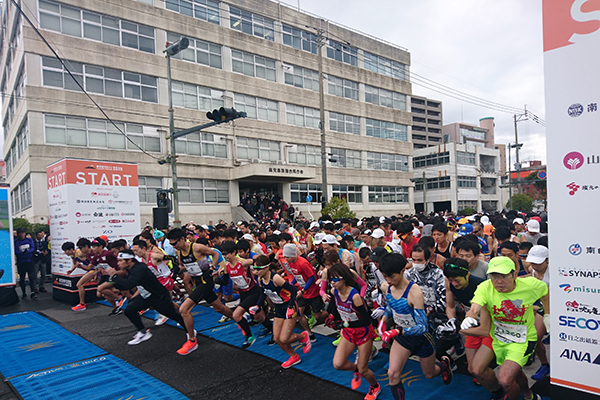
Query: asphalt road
x,y
214,371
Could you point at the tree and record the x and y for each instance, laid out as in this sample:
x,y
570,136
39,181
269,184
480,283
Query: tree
x,y
521,202
468,211
21,223
338,208
540,184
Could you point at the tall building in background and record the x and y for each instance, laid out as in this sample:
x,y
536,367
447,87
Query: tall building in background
x,y
257,56
426,121
462,133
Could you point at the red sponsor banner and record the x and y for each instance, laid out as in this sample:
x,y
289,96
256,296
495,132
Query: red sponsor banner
x,y
87,172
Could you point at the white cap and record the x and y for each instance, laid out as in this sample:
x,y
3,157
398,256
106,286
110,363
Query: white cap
x,y
330,239
518,221
533,226
289,250
471,218
248,236
205,227
276,232
319,238
314,224
378,233
381,220
359,223
485,220
537,254
421,224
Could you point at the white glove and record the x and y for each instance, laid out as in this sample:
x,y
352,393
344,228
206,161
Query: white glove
x,y
547,322
468,322
378,313
449,326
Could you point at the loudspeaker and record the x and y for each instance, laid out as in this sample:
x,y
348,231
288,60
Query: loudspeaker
x,y
160,217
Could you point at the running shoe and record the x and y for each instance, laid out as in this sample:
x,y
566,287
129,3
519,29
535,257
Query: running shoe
x,y
291,362
143,311
188,347
373,392
530,360
313,338
115,311
541,373
34,295
446,370
271,341
306,342
121,301
263,332
337,341
374,352
312,321
546,340
140,337
249,342
476,382
160,320
78,307
224,319
356,380
459,348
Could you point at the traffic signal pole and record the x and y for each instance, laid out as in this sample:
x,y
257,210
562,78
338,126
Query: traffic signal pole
x,y
176,221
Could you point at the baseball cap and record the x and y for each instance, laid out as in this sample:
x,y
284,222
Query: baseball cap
x,y
518,221
314,224
283,227
488,229
330,239
427,230
465,229
533,226
485,220
537,254
501,265
289,250
463,221
319,238
104,237
377,253
247,236
378,233
158,234
366,232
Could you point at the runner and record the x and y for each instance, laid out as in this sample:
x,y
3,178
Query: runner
x,y
357,331
510,303
411,336
538,259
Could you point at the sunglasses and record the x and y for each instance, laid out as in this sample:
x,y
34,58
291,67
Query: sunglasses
x,y
173,243
477,231
523,255
335,279
259,267
454,266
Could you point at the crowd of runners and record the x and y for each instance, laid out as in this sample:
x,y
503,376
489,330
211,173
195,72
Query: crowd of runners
x,y
433,287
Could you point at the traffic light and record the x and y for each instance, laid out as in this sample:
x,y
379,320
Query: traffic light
x,y
180,45
163,200
224,114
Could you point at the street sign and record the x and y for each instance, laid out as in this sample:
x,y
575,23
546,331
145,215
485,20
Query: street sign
x,y
308,198
542,175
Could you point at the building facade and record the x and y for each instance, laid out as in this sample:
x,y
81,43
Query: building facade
x,y
460,132
260,57
458,176
427,121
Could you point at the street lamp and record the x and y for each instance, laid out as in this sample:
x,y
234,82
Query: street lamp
x,y
511,146
171,50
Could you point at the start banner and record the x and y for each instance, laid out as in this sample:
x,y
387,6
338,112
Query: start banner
x,y
8,273
571,60
88,199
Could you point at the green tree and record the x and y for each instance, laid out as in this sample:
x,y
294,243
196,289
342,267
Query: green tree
x,y
521,202
21,223
468,211
338,208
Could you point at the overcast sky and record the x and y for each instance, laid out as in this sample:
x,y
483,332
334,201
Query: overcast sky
x,y
489,49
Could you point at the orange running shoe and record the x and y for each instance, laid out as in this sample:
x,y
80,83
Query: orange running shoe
x,y
188,347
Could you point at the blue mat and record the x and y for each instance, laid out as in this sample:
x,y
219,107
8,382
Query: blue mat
x,y
31,342
105,377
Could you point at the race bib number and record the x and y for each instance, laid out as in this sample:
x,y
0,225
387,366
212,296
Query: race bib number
x,y
403,320
193,268
300,280
143,292
275,298
240,282
349,317
510,333
103,266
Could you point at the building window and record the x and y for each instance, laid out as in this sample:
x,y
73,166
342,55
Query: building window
x,y
18,147
147,186
205,10
342,53
462,204
19,91
202,144
465,158
384,66
262,150
305,155
352,194
256,107
345,158
431,159
387,162
253,65
195,97
442,182
21,195
100,80
299,191
385,98
252,24
299,39
94,133
301,77
474,133
199,51
302,116
344,123
388,194
386,130
467,181
90,25
203,191
342,87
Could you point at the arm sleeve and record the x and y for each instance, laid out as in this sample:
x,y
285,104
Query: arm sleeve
x,y
323,288
363,286
292,289
365,317
440,303
133,279
421,324
309,282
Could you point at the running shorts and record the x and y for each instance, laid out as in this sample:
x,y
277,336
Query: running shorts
x,y
359,336
103,278
281,310
315,304
167,282
517,352
475,342
421,345
227,290
204,289
250,297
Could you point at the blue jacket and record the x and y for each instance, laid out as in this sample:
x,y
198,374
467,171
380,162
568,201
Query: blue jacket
x,y
24,249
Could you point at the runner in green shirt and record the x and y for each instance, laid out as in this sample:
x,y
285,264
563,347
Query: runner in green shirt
x,y
510,303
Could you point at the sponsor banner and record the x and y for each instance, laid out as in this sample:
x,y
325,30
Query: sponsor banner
x,y
90,199
572,89
7,260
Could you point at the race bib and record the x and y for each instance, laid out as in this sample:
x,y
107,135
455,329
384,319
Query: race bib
x,y
143,292
275,298
349,317
403,320
510,333
103,266
300,280
193,268
240,282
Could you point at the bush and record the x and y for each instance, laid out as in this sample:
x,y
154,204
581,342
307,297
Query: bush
x,y
521,202
338,208
467,211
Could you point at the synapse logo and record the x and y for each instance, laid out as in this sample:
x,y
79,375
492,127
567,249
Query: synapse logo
x,y
568,21
573,188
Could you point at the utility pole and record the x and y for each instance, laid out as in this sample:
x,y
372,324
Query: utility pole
x,y
509,178
321,43
424,193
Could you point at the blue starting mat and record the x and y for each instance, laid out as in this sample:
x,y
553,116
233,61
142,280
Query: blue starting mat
x,y
105,377
31,342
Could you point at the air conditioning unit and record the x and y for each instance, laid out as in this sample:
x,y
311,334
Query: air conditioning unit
x,y
255,160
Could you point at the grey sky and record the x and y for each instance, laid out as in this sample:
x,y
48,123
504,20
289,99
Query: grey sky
x,y
489,49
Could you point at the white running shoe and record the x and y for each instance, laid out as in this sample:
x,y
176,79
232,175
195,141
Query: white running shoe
x,y
140,337
160,320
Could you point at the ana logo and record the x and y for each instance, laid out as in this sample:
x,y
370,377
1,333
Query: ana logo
x,y
567,22
573,188
573,160
580,356
566,287
575,249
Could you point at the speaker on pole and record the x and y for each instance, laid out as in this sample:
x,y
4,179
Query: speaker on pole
x,y
160,217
